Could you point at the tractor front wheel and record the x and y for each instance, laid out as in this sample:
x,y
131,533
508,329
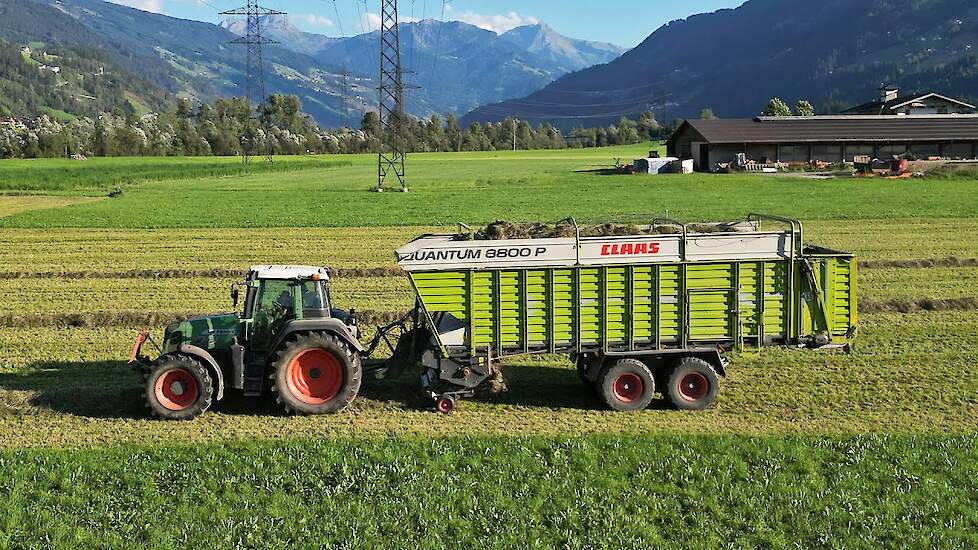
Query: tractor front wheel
x,y
178,387
316,374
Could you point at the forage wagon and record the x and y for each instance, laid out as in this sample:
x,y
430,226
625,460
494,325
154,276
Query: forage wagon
x,y
637,314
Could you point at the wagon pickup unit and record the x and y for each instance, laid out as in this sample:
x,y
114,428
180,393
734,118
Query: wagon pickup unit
x,y
638,315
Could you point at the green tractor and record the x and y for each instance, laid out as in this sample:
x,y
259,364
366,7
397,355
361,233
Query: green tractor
x,y
288,339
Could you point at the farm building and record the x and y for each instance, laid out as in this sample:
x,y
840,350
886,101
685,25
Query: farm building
x,y
824,138
891,102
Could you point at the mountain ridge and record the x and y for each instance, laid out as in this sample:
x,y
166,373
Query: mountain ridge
x,y
194,59
835,53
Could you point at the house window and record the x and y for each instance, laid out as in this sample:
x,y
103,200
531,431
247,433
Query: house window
x,y
827,153
794,153
890,151
957,151
925,150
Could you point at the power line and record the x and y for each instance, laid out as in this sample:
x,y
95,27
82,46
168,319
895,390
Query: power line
x,y
255,72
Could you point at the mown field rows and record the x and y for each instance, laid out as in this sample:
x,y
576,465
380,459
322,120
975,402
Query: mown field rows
x,y
909,373
182,271
197,250
389,294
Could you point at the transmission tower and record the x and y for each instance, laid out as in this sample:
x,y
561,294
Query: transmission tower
x,y
393,148
345,96
255,85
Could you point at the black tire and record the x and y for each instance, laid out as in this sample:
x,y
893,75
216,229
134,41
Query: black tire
x,y
316,373
626,385
178,387
693,385
583,366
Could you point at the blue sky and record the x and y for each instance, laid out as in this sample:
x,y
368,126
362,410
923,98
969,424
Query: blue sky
x,y
624,22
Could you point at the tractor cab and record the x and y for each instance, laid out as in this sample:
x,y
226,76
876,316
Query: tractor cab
x,y
278,295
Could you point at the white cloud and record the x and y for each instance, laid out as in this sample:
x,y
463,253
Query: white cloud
x,y
155,6
314,20
498,23
371,21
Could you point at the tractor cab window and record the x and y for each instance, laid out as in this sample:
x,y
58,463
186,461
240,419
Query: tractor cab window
x,y
315,299
277,295
313,296
275,308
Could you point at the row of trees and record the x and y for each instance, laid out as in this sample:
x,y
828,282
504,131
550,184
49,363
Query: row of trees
x,y
775,107
228,128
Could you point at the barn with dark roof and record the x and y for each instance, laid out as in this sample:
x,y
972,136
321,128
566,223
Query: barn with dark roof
x,y
824,138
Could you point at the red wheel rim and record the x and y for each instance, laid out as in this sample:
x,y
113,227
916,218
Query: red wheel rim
x,y
445,406
315,376
694,386
628,387
176,390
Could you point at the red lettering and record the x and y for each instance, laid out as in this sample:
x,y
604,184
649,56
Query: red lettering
x,y
629,249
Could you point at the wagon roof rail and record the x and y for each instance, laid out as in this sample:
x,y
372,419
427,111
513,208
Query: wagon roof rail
x,y
796,227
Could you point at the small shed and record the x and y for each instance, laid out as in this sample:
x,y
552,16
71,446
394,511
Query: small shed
x,y
654,165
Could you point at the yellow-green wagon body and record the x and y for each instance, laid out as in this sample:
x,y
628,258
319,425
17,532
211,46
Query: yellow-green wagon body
x,y
515,303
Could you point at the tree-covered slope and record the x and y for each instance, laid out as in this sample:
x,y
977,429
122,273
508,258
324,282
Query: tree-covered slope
x,y
65,82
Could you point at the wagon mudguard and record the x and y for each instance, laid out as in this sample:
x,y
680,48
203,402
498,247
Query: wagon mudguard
x,y
212,366
333,326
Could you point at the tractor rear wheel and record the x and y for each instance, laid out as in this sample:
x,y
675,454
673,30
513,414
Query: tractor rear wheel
x,y
627,385
693,385
178,387
316,374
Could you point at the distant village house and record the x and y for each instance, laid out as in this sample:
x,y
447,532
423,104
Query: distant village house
x,y
891,102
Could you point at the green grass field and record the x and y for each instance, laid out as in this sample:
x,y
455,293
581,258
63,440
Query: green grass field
x,y
663,491
470,187
865,450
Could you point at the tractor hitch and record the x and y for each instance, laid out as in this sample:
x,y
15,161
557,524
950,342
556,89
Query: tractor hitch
x,y
136,359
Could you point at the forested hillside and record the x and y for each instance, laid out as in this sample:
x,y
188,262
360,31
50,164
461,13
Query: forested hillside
x,y
65,82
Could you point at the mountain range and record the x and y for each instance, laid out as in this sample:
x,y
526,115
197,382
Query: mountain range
x,y
835,53
449,66
194,59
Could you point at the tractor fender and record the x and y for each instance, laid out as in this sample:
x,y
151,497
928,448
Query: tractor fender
x,y
332,326
212,367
